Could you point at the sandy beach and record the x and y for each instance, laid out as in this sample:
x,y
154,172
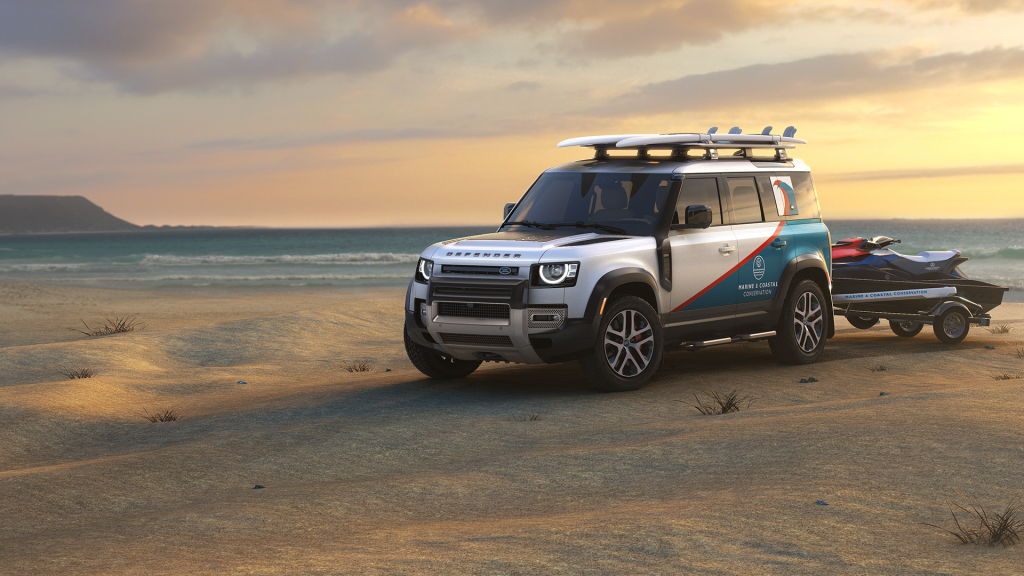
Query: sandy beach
x,y
514,470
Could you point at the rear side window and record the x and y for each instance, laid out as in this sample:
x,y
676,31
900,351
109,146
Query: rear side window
x,y
746,206
702,192
806,196
794,196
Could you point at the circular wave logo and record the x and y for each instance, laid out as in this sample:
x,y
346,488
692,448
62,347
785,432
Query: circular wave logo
x,y
758,268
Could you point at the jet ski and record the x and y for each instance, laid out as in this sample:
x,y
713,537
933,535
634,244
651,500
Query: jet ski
x,y
871,281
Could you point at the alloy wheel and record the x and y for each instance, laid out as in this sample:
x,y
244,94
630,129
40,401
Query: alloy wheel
x,y
807,322
629,343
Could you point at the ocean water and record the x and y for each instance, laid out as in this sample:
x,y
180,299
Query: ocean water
x,y
385,257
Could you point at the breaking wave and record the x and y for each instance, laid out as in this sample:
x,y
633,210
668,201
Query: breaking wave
x,y
986,253
350,259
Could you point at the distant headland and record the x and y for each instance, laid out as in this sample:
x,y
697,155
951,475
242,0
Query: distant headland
x,y
49,214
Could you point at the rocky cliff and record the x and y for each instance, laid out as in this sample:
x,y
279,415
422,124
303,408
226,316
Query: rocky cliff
x,y
27,214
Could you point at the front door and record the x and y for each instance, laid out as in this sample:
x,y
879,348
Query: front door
x,y
702,261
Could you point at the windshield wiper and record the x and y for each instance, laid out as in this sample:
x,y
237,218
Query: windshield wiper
x,y
528,223
605,227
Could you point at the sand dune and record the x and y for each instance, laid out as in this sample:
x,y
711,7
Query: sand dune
x,y
392,473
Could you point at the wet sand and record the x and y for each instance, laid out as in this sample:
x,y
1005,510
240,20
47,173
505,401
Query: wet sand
x,y
392,473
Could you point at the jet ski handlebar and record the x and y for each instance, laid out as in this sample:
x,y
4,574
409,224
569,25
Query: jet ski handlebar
x,y
877,243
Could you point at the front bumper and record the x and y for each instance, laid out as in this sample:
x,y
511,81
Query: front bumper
x,y
492,321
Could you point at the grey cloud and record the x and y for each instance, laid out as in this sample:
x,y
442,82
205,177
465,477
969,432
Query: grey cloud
x,y
814,79
154,45
15,92
365,135
105,30
665,28
523,86
915,174
354,54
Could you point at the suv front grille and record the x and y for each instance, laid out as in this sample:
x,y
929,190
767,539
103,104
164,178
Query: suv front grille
x,y
473,310
483,270
476,339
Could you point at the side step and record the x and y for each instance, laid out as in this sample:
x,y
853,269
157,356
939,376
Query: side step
x,y
697,345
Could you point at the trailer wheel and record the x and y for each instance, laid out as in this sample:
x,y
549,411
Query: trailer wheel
x,y
951,326
905,329
862,322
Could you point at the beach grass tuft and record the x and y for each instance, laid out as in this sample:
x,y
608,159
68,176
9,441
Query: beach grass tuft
x,y
165,416
878,368
73,374
525,417
1008,376
358,367
719,403
1000,329
117,325
990,527
1019,352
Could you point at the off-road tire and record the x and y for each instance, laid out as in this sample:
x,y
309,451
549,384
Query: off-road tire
x,y
616,368
861,323
436,365
951,327
906,328
802,329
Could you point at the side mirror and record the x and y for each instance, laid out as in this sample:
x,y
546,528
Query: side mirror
x,y
697,216
508,209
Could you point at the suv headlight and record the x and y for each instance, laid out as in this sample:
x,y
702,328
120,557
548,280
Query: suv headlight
x,y
423,270
559,274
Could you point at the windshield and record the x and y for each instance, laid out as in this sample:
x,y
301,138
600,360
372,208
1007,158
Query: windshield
x,y
631,202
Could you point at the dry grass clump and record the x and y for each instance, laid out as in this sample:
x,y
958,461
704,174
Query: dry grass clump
x,y
1000,329
992,528
879,368
117,325
358,367
1008,376
525,417
1019,352
73,374
718,403
165,416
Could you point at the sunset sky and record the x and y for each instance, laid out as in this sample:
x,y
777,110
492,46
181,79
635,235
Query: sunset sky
x,y
391,112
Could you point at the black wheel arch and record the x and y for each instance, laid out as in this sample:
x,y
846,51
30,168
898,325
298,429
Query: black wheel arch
x,y
805,266
633,281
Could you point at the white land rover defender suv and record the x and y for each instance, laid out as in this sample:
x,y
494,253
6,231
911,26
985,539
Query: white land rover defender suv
x,y
693,240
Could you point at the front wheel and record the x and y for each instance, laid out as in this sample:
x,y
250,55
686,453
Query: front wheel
x,y
628,350
436,365
800,337
906,329
951,326
862,322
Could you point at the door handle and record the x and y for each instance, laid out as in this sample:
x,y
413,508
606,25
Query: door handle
x,y
779,244
726,249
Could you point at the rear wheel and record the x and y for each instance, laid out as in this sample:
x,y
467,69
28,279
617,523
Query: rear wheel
x,y
905,329
951,326
862,322
435,365
800,336
628,350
